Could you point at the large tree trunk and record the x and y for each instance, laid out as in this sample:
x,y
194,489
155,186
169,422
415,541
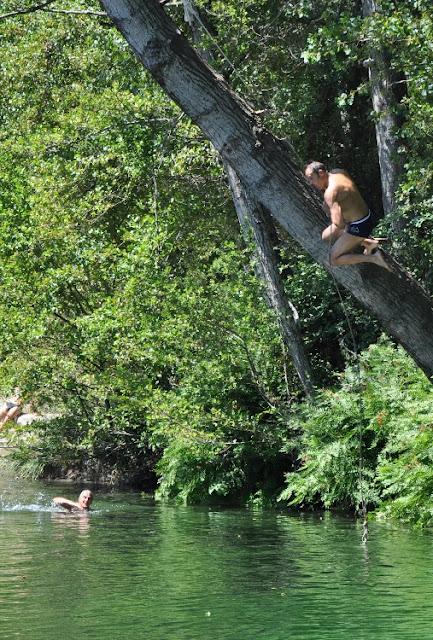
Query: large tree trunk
x,y
384,106
266,169
254,219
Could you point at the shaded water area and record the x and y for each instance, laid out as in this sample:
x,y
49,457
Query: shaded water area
x,y
136,569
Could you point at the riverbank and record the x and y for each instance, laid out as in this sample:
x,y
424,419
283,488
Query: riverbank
x,y
5,449
369,439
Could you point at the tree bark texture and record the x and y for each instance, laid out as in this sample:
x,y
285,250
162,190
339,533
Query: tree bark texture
x,y
254,220
384,106
265,166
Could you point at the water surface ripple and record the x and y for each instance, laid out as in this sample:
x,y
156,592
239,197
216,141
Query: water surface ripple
x,y
134,569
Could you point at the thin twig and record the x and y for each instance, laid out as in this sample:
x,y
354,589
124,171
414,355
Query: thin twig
x,y
76,12
32,9
253,369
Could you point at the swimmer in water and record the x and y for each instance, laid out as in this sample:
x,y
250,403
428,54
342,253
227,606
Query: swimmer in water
x,y
83,503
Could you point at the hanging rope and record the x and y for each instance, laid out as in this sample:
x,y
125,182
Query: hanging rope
x,y
362,506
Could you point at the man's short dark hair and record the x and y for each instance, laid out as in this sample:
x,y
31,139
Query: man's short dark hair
x,y
315,166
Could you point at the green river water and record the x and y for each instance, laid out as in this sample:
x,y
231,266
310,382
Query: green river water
x,y
134,569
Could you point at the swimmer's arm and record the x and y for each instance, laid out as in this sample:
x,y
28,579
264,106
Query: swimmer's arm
x,y
65,503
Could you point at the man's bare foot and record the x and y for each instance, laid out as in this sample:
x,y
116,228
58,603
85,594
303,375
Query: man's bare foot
x,y
380,260
370,245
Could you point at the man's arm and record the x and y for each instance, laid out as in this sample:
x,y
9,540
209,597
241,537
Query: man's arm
x,y
331,199
65,503
338,224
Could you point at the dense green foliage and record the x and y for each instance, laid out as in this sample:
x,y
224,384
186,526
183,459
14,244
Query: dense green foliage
x,y
130,306
369,440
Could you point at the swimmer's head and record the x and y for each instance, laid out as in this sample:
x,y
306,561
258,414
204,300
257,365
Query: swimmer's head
x,y
85,499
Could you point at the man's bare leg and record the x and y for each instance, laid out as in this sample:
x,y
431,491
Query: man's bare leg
x,y
341,253
370,245
331,234
14,412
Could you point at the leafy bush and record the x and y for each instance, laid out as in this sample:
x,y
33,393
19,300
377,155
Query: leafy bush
x,y
371,439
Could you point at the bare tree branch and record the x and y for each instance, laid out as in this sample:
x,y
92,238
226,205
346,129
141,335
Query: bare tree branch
x,y
76,12
32,9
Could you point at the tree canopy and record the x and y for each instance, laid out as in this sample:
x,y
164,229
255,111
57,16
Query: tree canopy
x,y
130,305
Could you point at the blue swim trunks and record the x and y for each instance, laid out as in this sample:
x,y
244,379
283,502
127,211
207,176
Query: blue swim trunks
x,y
363,227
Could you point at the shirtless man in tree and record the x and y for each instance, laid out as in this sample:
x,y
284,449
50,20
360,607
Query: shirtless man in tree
x,y
83,504
351,219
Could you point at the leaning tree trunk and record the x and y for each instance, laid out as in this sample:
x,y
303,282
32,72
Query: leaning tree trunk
x,y
384,106
267,171
254,219
257,224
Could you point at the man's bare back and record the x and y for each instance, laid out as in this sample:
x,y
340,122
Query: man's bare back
x,y
343,190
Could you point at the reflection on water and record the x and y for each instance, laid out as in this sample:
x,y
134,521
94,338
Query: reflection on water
x,y
134,569
78,521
